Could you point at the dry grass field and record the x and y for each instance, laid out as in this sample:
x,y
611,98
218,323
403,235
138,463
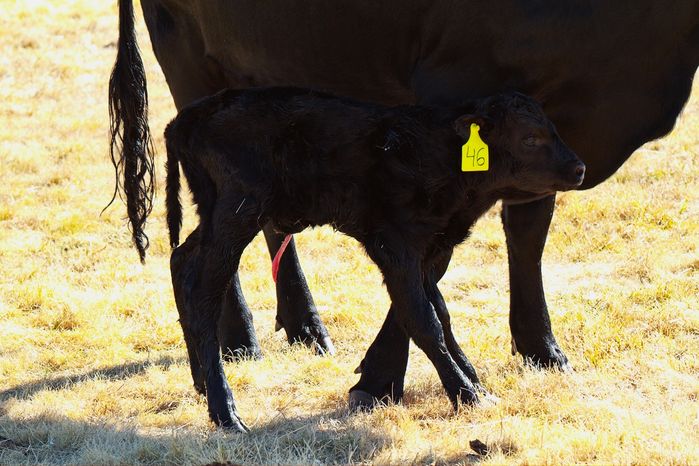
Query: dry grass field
x,y
92,361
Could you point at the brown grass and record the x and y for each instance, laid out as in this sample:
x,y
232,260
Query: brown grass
x,y
93,369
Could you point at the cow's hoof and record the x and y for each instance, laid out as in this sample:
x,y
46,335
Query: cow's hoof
x,y
314,335
550,356
238,354
359,400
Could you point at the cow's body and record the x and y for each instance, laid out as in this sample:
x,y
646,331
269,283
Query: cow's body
x,y
590,62
611,75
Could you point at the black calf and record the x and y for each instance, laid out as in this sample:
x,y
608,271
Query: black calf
x,y
389,177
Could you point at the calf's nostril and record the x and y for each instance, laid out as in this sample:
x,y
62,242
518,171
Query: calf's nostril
x,y
580,170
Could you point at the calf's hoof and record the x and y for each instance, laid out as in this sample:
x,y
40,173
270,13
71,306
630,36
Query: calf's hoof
x,y
222,408
228,419
485,398
233,424
200,388
361,401
325,347
466,396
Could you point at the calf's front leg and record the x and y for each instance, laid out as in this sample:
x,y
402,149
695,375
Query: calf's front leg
x,y
418,319
440,308
383,367
436,268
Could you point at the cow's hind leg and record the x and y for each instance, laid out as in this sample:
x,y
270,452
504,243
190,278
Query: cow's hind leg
x,y
526,227
235,326
296,311
192,74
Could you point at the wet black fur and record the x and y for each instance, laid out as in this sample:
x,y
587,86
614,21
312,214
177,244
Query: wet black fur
x,y
389,177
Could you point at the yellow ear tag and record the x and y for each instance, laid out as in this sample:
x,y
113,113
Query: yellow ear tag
x,y
474,154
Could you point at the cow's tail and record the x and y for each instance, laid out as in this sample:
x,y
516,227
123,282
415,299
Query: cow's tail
x,y
130,148
172,189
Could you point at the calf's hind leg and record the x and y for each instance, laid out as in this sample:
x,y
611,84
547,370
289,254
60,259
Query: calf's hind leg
x,y
216,260
192,73
182,268
235,325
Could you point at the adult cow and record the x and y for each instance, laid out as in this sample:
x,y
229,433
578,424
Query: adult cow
x,y
611,75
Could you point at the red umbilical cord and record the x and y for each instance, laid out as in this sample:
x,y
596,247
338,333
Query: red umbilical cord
x,y
278,257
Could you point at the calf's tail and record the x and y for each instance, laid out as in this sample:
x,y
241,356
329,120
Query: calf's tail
x,y
131,149
172,187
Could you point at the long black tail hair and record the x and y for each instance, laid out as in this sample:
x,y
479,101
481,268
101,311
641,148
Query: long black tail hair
x,y
131,148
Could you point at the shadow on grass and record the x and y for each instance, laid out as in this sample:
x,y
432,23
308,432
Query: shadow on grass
x,y
119,372
328,438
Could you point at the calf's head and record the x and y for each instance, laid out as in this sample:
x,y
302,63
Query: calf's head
x,y
527,155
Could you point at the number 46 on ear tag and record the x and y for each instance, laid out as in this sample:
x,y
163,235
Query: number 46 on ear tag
x,y
474,154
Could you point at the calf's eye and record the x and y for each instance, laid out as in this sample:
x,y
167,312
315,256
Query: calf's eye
x,y
531,141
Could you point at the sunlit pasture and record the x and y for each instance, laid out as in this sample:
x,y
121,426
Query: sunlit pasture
x,y
93,367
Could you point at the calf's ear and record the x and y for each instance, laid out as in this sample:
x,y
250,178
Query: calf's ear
x,y
462,125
